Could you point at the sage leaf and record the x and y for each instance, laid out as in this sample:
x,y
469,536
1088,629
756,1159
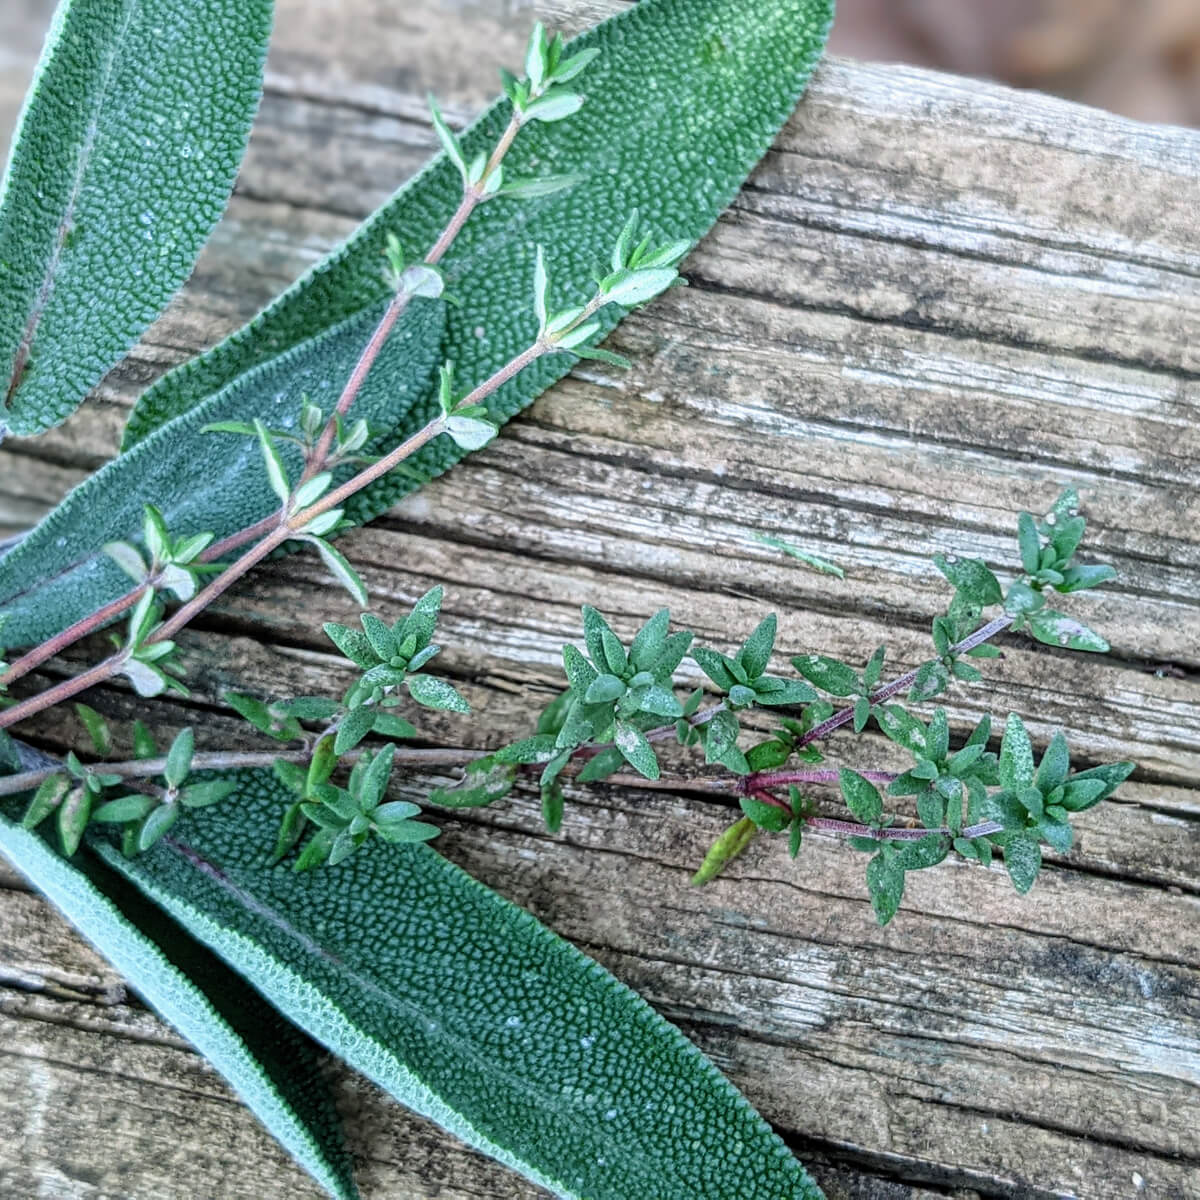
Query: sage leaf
x,y
121,165
683,172
466,1009
213,482
654,71
267,1061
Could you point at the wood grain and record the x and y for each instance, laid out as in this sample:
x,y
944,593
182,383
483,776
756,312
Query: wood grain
x,y
935,303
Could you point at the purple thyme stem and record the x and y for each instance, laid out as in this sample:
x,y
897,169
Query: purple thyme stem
x,y
981,635
770,779
854,829
145,768
701,718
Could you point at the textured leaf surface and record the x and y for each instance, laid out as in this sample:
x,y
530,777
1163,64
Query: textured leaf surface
x,y
270,1064
468,1010
683,100
205,482
121,165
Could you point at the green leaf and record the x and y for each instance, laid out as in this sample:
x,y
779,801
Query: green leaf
x,y
383,641
121,165
1058,629
1058,835
756,652
937,736
124,808
771,690
724,850
421,623
373,780
614,653
637,751
97,729
144,745
931,809
861,796
659,702
971,577
201,481
650,641
795,836
885,883
554,108
812,560
465,1008
874,667
1065,536
272,1067
352,644
926,852
603,689
1055,764
768,755
157,825
602,765
1077,579
277,474
828,674
932,680
580,673
483,783
201,795
1021,598
1081,791
1022,859
72,817
715,666
901,727
1030,543
179,758
435,693
469,433
543,185
354,727
339,567
765,816
1016,755
537,749
447,137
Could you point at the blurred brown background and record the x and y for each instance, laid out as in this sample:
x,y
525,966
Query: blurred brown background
x,y
1140,58
1136,57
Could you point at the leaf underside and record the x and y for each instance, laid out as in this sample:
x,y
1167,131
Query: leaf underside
x,y
121,165
683,100
466,1009
272,1066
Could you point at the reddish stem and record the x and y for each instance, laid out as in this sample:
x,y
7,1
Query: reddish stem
x,y
981,635
318,459
39,654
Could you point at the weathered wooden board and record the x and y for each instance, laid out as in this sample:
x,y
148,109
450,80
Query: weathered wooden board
x,y
936,303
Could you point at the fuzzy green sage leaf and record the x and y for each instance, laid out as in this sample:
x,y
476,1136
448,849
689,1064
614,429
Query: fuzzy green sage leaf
x,y
121,165
466,1009
681,171
266,1060
215,482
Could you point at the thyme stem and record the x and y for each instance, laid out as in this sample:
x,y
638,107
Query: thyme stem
x,y
319,458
